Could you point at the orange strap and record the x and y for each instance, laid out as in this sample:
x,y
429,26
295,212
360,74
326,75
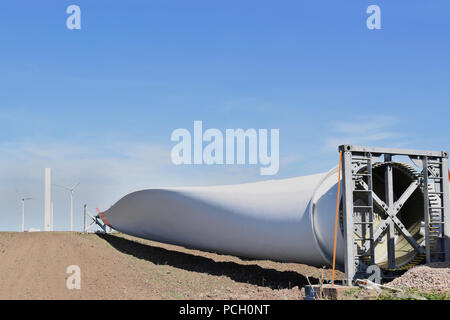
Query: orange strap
x,y
337,217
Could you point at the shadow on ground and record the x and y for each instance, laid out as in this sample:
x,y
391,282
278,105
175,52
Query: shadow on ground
x,y
252,274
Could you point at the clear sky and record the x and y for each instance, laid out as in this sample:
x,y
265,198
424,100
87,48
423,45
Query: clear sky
x,y
99,104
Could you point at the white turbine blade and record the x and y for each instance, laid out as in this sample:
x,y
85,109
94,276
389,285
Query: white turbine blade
x,y
90,215
61,186
90,226
75,186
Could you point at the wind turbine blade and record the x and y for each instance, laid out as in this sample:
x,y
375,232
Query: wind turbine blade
x,y
75,186
90,226
90,215
61,186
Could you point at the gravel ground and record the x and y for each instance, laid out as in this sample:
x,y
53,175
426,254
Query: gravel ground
x,y
434,277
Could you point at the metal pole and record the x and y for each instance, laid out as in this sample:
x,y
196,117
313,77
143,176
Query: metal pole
x,y
389,190
350,263
336,221
23,215
48,219
84,226
446,205
71,210
426,212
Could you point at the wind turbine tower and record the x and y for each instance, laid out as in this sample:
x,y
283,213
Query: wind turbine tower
x,y
71,190
48,210
23,211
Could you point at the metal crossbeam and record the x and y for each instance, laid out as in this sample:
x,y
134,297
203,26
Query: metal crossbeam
x,y
394,151
390,204
405,196
391,212
377,199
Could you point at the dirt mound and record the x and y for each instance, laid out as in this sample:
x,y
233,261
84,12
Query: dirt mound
x,y
434,277
33,266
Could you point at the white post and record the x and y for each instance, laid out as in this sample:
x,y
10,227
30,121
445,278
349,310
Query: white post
x,y
51,217
48,214
84,224
23,215
71,210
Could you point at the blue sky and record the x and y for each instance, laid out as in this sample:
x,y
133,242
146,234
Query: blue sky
x,y
98,104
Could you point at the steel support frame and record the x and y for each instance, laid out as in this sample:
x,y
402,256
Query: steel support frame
x,y
352,262
446,205
350,259
95,220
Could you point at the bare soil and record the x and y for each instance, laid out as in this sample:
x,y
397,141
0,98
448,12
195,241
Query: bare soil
x,y
33,266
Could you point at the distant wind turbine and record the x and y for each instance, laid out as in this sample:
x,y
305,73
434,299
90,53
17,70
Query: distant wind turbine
x,y
71,190
23,211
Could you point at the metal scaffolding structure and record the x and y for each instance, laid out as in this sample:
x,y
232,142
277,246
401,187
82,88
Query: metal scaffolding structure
x,y
95,221
371,217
